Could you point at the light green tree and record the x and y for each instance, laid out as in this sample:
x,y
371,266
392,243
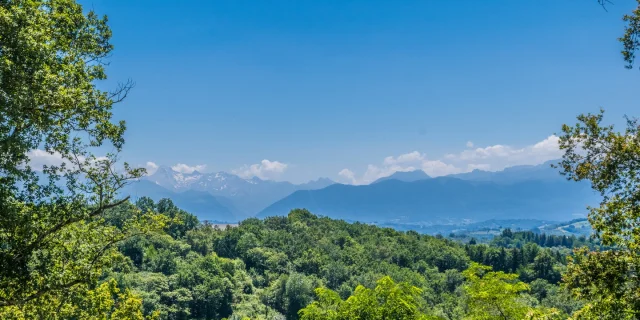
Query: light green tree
x,y
387,300
498,295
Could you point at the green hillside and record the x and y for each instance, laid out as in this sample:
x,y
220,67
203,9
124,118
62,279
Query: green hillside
x,y
269,269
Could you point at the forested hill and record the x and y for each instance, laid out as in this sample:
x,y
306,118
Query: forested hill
x,y
270,269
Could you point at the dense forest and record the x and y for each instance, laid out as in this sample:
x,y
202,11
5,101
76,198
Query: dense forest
x,y
283,267
72,248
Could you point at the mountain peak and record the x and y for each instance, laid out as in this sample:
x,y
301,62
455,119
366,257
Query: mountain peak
x,y
316,184
406,176
163,169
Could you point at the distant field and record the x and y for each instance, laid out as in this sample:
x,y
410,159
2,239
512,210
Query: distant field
x,y
576,228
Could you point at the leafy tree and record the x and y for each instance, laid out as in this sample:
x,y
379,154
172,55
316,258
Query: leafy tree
x,y
543,267
497,295
56,240
610,160
106,301
630,39
298,293
387,301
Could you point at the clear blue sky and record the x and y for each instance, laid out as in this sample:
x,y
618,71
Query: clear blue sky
x,y
328,85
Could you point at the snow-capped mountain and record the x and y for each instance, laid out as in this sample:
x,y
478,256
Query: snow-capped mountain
x,y
220,183
246,196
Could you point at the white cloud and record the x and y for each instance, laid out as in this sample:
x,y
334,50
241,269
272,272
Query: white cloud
x,y
151,167
183,168
438,168
39,158
264,170
498,157
348,176
490,158
405,162
411,157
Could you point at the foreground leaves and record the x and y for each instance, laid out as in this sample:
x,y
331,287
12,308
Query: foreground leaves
x,y
387,301
498,295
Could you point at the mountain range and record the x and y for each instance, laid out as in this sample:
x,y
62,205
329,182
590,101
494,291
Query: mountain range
x,y
542,172
217,196
442,200
520,192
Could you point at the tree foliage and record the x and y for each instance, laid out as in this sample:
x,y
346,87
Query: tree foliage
x,y
610,160
274,268
498,295
387,300
56,241
630,40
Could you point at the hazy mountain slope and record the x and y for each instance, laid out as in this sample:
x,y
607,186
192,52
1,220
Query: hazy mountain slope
x,y
315,184
542,172
204,205
441,199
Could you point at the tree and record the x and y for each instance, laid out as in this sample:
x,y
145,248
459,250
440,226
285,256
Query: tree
x,y
56,242
106,301
387,301
496,295
543,267
610,161
630,39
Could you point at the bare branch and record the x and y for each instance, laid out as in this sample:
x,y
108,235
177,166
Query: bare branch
x,y
122,91
604,4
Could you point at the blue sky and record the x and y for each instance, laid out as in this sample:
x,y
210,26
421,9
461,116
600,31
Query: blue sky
x,y
367,86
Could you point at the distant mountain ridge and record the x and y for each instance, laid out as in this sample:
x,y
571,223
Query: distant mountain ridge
x,y
406,176
241,197
541,172
442,199
531,192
